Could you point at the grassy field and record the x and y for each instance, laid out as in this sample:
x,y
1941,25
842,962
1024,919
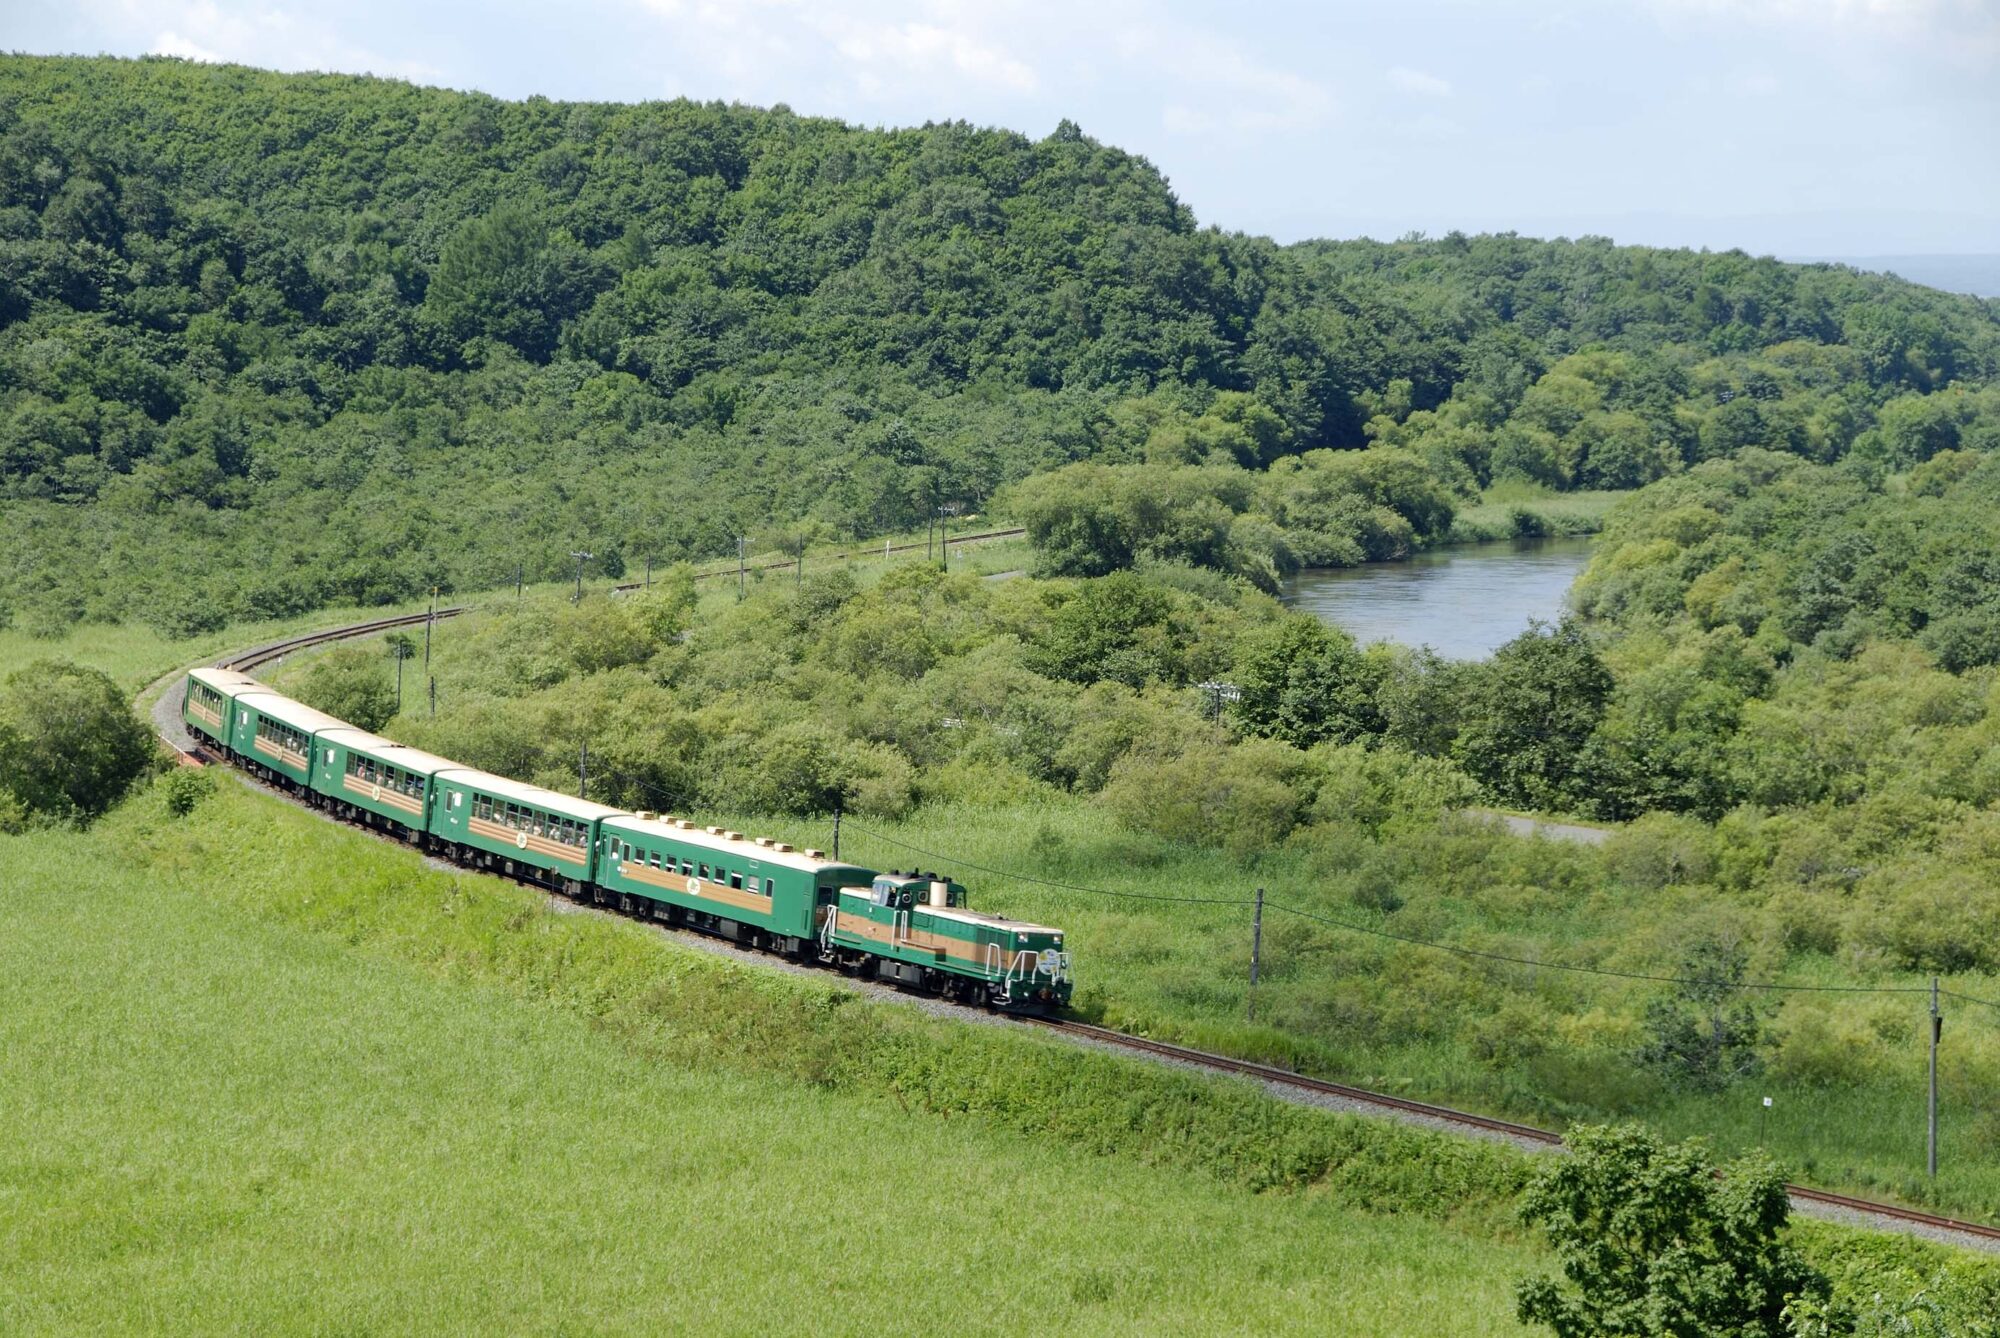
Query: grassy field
x,y
245,1092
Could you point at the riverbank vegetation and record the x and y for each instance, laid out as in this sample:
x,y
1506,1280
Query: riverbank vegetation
x,y
275,342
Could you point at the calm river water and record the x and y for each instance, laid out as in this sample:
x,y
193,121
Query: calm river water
x,y
1462,602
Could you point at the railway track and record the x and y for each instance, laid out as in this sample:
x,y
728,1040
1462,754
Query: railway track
x,y
1976,1234
1849,1207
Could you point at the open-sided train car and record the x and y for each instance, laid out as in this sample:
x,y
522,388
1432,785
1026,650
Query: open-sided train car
x,y
520,830
208,702
274,736
753,890
375,781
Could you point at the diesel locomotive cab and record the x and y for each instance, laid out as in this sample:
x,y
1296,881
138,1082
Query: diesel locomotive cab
x,y
918,930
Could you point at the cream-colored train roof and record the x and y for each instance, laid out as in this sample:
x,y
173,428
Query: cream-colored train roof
x,y
397,754
296,714
470,778
229,682
991,921
746,848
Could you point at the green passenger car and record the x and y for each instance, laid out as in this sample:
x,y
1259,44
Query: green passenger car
x,y
752,890
208,702
369,779
521,830
274,735
917,930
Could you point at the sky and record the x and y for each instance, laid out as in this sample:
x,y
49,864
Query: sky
x,y
1799,128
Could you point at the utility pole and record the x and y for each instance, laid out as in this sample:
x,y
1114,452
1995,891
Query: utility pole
x,y
519,569
583,770
429,619
836,829
1937,1030
581,558
400,657
1218,693
434,698
742,547
1256,950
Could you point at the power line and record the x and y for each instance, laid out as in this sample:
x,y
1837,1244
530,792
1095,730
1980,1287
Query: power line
x,y
1432,944
1476,954
1482,955
1047,882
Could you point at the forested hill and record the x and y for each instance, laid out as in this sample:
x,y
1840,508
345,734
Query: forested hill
x,y
269,341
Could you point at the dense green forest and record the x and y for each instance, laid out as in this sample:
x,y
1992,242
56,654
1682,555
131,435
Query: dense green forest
x,y
273,341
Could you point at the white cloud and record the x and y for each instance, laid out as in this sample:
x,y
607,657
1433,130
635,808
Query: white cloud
x,y
918,48
171,43
994,59
267,35
1416,81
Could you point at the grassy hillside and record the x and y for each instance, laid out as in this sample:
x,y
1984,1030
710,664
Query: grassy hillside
x,y
271,342
223,1117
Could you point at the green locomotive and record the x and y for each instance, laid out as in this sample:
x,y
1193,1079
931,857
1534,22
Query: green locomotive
x,y
913,929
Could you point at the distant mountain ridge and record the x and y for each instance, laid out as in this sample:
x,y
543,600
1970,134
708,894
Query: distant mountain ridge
x,y
1976,274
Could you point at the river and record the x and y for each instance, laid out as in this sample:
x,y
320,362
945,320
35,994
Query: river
x,y
1463,602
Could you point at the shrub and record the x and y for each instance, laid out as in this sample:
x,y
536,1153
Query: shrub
x,y
353,683
1653,1243
70,745
1237,798
1705,1034
184,788
1661,850
1525,524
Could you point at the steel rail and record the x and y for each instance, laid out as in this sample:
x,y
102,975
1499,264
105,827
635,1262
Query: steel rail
x,y
786,565
1447,1115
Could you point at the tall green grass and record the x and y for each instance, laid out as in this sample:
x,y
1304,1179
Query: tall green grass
x,y
1566,513
1395,1016
264,1075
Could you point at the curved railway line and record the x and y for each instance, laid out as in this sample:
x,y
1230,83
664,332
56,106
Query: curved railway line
x,y
1281,1082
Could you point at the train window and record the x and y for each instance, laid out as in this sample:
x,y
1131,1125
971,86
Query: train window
x,y
736,881
687,868
653,858
704,871
770,887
